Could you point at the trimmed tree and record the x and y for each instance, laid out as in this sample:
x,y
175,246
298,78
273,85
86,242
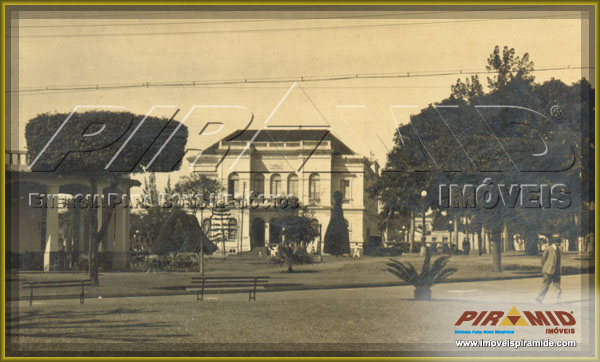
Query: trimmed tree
x,y
337,237
84,144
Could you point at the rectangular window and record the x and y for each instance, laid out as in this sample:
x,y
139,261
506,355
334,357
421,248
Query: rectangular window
x,y
259,185
345,189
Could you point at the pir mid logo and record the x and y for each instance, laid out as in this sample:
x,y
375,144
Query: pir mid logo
x,y
515,319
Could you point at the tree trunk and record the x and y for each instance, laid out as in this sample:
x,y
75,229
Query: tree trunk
x,y
531,242
497,257
98,236
412,232
204,233
508,239
496,236
93,250
201,256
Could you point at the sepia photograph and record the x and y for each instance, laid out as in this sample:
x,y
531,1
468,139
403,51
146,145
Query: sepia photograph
x,y
299,180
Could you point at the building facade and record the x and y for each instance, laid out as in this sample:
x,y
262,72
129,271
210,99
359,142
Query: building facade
x,y
307,163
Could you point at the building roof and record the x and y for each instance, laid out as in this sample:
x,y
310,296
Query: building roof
x,y
291,135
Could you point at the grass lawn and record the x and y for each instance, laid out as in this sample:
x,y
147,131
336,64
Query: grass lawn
x,y
362,320
332,272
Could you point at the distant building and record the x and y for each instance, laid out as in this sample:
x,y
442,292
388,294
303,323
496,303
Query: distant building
x,y
308,163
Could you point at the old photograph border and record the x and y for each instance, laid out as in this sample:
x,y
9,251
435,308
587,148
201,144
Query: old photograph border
x,y
327,350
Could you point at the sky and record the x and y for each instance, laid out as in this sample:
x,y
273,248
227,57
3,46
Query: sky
x,y
138,48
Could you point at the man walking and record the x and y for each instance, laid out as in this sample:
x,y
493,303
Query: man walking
x,y
550,270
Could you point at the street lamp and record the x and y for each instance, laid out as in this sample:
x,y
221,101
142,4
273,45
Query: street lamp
x,y
424,227
450,222
444,213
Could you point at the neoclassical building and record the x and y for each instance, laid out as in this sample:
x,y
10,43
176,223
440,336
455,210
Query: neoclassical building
x,y
311,164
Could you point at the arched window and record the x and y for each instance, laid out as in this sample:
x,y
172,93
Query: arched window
x,y
259,184
292,187
275,185
314,187
233,186
232,229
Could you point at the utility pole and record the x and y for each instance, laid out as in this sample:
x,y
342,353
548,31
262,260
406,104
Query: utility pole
x,y
242,219
205,232
319,245
424,228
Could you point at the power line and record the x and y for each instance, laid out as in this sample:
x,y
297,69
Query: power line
x,y
250,87
270,20
299,79
282,29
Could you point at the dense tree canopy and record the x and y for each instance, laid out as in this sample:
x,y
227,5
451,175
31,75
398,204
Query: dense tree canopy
x,y
519,132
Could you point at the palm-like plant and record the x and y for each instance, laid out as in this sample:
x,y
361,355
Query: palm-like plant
x,y
430,274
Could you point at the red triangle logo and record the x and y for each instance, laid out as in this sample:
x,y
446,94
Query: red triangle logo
x,y
513,318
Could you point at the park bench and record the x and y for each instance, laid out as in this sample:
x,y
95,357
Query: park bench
x,y
200,284
58,284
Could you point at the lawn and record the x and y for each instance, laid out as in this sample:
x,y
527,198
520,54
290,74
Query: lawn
x,y
362,320
331,273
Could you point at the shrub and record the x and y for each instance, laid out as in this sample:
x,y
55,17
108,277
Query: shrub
x,y
429,276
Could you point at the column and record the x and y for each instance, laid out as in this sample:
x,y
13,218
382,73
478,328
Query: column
x,y
86,231
52,247
78,230
99,212
267,232
121,239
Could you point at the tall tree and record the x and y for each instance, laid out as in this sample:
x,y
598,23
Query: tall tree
x,y
221,226
199,190
508,67
468,90
503,157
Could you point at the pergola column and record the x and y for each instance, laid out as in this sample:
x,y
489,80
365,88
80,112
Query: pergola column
x,y
121,238
52,244
267,232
